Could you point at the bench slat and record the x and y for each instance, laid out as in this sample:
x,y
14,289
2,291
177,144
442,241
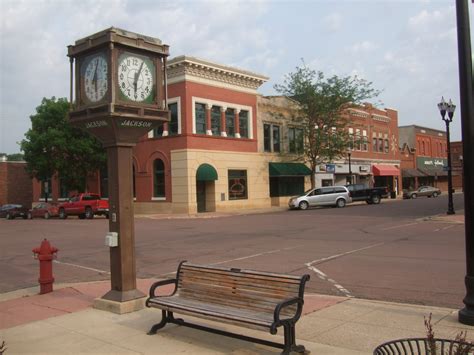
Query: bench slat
x,y
244,273
241,278
193,307
231,296
223,284
238,303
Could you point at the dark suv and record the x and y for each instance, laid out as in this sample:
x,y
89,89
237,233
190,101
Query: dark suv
x,y
13,211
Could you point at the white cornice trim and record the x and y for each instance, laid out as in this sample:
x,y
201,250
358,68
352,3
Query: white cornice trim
x,y
193,69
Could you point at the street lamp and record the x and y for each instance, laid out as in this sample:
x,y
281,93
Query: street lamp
x,y
349,153
448,107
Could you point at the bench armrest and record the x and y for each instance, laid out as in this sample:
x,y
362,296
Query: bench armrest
x,y
289,302
162,283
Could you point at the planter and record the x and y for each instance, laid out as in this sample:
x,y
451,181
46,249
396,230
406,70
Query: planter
x,y
421,346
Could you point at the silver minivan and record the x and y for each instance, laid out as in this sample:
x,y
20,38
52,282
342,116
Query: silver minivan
x,y
322,196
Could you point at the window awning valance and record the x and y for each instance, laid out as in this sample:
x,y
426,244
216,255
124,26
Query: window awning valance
x,y
206,172
385,170
288,169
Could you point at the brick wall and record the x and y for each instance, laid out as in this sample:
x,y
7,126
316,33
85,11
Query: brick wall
x,y
3,183
15,184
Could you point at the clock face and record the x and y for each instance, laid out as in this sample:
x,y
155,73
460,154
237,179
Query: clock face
x,y
136,78
95,72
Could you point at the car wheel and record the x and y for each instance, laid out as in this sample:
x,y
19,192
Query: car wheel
x,y
341,203
29,215
9,216
435,194
303,205
89,213
414,196
375,199
369,202
47,215
62,214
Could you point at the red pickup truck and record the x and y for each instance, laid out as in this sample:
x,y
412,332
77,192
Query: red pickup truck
x,y
84,205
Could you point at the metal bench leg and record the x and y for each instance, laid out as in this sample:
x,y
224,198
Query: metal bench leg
x,y
158,326
290,341
174,320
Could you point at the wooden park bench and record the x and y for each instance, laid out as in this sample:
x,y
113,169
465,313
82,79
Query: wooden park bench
x,y
252,299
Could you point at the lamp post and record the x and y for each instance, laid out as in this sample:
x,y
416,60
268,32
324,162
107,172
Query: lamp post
x,y
349,153
448,107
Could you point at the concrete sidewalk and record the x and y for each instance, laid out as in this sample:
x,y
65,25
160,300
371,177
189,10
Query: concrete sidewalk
x,y
64,322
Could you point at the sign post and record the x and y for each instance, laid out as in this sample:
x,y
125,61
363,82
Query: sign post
x,y
120,95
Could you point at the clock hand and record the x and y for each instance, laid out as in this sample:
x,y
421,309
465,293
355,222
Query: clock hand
x,y
137,75
94,78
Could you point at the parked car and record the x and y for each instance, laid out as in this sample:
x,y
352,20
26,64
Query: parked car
x,y
322,196
428,191
12,211
44,210
84,205
371,195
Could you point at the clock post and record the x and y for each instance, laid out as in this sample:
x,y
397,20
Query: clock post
x,y
120,95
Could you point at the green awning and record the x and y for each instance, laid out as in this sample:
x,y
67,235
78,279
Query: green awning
x,y
206,172
288,169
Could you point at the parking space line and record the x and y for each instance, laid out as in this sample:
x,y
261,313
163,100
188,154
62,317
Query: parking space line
x,y
400,226
253,255
319,261
82,267
324,277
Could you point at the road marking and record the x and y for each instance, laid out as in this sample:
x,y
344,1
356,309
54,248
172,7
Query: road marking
x,y
319,261
400,226
324,277
246,257
82,267
254,255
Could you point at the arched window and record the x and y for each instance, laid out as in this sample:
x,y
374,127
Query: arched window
x,y
158,178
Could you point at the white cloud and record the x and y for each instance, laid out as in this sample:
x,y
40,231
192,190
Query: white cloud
x,y
364,46
332,22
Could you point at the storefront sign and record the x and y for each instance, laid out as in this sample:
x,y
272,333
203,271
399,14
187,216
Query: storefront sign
x,y
135,123
431,163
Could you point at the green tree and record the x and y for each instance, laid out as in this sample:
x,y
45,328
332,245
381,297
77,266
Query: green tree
x,y
53,146
321,111
15,157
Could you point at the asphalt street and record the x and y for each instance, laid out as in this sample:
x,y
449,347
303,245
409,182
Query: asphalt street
x,y
386,252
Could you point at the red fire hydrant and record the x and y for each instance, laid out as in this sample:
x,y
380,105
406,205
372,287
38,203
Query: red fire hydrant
x,y
45,254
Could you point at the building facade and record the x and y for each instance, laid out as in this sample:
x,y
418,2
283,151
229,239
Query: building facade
x,y
457,160
226,147
424,157
373,157
15,183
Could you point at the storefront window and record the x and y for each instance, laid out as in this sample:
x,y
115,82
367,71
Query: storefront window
x,y
237,184
295,140
158,178
200,113
243,124
216,120
229,122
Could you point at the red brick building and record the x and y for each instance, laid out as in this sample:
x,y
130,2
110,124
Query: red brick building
x,y
457,166
224,148
374,156
15,184
424,157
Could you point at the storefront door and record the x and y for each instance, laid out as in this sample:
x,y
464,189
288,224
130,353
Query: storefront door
x,y
201,196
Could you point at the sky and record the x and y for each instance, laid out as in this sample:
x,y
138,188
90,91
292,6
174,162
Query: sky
x,y
407,49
